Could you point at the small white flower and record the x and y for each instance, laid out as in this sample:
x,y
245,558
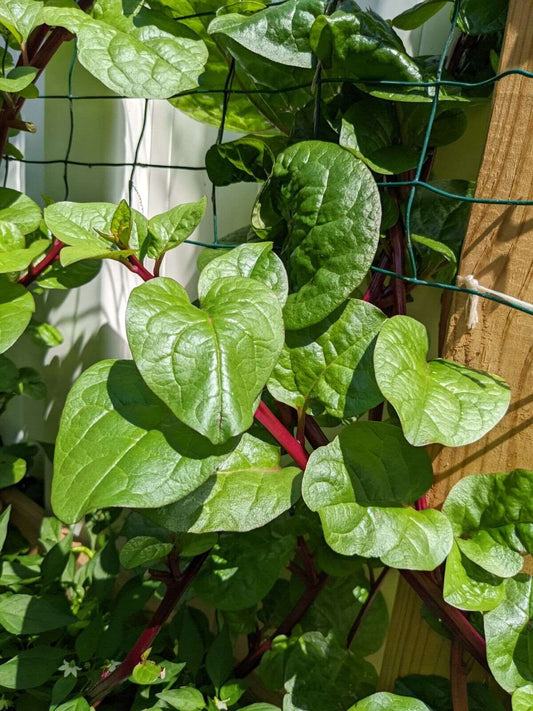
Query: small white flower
x,y
221,704
113,664
69,668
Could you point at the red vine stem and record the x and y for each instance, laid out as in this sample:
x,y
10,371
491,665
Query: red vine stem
x,y
45,262
137,267
455,621
271,423
174,593
363,612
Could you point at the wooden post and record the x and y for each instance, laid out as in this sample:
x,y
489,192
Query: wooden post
x,y
498,251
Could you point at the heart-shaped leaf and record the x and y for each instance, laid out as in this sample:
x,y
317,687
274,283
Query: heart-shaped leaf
x,y
508,634
384,701
255,261
247,491
143,550
440,401
21,17
469,587
171,228
119,445
360,484
331,205
329,366
208,365
16,308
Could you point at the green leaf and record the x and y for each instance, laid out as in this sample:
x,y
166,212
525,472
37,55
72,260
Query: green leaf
x,y
435,690
371,131
121,224
508,634
384,701
480,17
360,484
20,210
11,238
449,124
133,60
18,259
21,17
143,550
254,261
523,698
249,159
469,587
16,308
418,14
247,491
235,576
147,672
241,330
71,255
55,561
171,228
30,668
32,614
331,205
151,459
72,277
12,469
440,401
77,704
18,78
186,698
492,516
44,334
330,365
80,224
219,659
4,520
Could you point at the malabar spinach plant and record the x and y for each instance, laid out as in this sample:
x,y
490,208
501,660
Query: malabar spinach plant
x,y
201,465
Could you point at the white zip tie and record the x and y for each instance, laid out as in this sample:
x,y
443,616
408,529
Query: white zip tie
x,y
470,282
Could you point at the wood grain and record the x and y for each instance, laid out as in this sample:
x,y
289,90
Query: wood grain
x,y
498,250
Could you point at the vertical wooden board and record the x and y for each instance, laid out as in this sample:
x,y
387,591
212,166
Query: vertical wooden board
x,y
498,251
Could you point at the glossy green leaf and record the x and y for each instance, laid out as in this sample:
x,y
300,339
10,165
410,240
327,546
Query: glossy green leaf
x,y
12,469
171,228
523,698
80,224
16,308
508,634
11,238
236,575
71,255
240,330
186,698
122,224
248,159
371,131
480,17
20,17
146,672
133,60
4,521
469,587
78,704
417,15
19,209
492,516
18,78
331,205
247,491
317,673
143,550
440,401
385,701
30,668
151,459
360,484
18,259
32,614
255,261
330,365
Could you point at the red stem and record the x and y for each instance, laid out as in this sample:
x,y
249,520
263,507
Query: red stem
x,y
45,262
453,619
171,598
363,612
137,267
271,423
314,433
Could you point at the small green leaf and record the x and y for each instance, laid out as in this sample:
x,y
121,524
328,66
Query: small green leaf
x,y
44,334
255,261
30,668
122,224
20,210
169,229
523,698
469,587
4,521
508,634
249,159
186,698
77,704
384,701
219,659
12,469
241,331
330,203
16,308
18,78
418,14
143,550
55,561
71,255
147,672
440,401
32,614
360,484
330,365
